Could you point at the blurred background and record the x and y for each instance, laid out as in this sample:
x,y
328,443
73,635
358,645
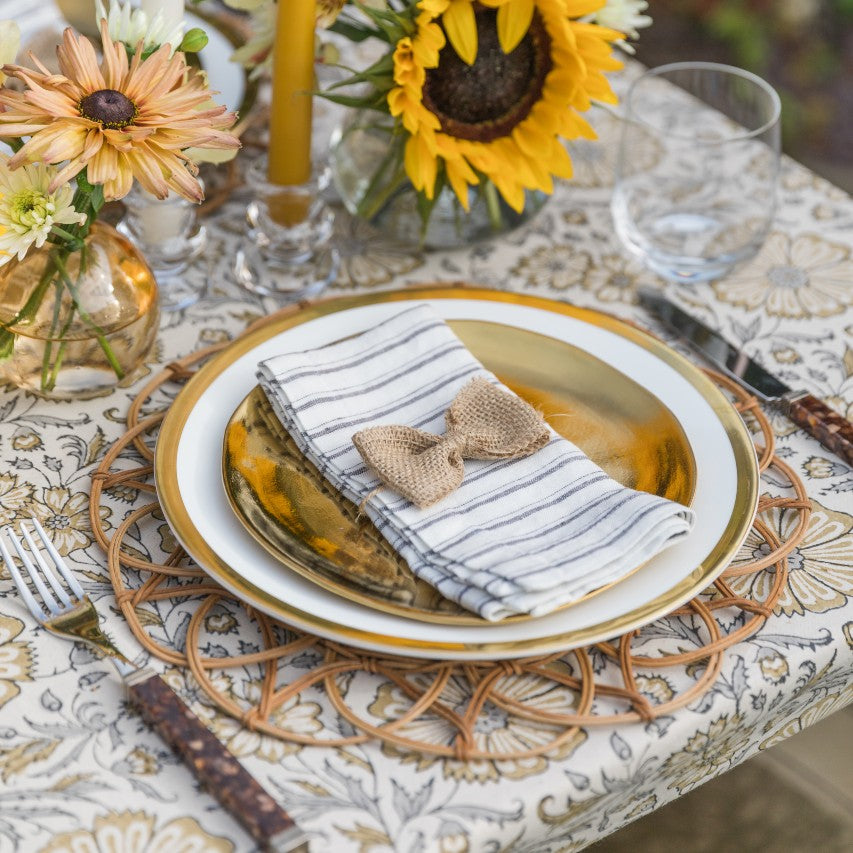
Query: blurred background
x,y
804,48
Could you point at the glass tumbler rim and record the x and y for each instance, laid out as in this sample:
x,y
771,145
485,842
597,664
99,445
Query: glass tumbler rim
x,y
660,70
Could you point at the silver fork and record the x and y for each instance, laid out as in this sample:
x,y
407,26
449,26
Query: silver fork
x,y
59,603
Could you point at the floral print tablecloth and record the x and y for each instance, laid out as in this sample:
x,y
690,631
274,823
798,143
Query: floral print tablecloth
x,y
79,771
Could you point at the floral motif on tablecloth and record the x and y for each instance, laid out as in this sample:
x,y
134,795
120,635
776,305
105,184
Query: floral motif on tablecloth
x,y
821,468
137,832
16,658
555,267
368,258
65,517
800,277
615,278
26,438
814,714
655,688
773,665
820,569
708,753
15,498
495,731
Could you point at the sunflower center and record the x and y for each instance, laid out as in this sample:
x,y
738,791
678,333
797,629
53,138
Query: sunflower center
x,y
108,107
489,98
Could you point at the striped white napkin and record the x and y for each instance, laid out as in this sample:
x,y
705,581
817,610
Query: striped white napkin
x,y
523,535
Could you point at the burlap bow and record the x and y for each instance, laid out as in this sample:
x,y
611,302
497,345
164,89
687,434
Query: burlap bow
x,y
483,422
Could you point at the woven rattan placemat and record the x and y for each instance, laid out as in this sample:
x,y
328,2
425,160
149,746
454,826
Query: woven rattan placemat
x,y
433,707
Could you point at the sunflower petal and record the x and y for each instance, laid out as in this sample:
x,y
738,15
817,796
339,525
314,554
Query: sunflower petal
x,y
421,165
512,192
461,176
513,23
461,27
560,163
532,139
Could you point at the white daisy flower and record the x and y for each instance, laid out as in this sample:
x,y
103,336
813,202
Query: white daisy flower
x,y
256,53
624,15
28,211
154,23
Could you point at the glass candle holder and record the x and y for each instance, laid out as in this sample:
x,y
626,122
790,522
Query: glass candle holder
x,y
288,251
168,234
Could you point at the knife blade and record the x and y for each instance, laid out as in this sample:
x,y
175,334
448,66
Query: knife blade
x,y
831,429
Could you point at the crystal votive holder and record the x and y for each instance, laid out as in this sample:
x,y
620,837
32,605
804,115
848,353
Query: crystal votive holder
x,y
288,251
168,234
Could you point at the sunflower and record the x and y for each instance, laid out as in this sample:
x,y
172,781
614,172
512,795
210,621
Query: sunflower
x,y
124,120
489,88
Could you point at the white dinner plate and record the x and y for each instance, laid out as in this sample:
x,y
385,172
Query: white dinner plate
x,y
192,493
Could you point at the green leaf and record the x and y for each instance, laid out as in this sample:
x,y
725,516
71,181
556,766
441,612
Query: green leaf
x,y
380,73
71,240
194,40
97,198
7,344
83,182
354,31
394,25
365,102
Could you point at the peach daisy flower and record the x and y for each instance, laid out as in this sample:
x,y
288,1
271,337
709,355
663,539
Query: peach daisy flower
x,y
120,121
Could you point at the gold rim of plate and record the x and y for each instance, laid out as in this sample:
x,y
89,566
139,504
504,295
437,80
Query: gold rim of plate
x,y
740,521
284,504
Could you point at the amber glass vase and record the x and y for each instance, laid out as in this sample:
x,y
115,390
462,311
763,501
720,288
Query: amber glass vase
x,y
73,324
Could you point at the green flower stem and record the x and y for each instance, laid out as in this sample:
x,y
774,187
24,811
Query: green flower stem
x,y
54,324
381,188
375,198
100,335
28,311
493,206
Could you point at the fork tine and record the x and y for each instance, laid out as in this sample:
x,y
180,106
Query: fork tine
x,y
46,571
34,607
60,566
35,576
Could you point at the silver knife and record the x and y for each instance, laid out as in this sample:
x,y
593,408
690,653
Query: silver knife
x,y
831,429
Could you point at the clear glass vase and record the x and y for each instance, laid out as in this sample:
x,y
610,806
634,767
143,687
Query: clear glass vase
x,y
73,324
369,174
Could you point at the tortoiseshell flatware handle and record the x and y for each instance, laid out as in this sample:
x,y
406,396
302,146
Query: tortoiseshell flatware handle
x,y
217,769
831,429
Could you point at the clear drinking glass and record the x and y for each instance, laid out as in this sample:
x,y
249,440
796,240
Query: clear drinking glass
x,y
697,169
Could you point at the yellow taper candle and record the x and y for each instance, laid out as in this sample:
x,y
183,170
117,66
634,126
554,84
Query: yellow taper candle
x,y
292,83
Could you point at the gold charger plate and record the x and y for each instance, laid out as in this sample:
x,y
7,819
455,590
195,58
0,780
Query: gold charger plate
x,y
188,474
287,506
